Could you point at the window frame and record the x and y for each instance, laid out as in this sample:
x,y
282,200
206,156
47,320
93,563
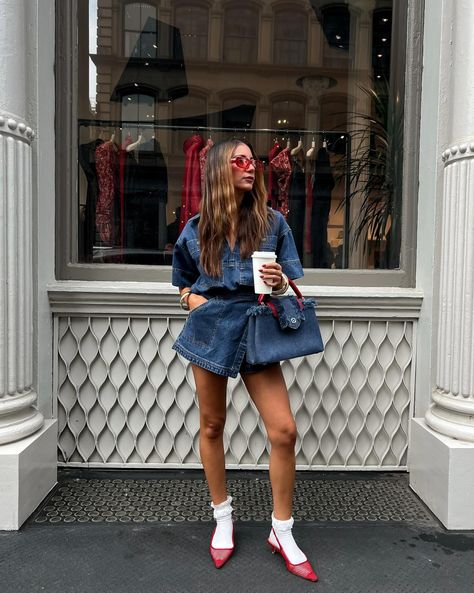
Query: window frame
x,y
124,31
67,173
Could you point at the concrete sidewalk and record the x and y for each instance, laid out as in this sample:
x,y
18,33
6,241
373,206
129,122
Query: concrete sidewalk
x,y
66,548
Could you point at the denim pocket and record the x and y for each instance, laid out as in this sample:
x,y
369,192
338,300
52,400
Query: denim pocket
x,y
269,243
202,305
202,323
246,272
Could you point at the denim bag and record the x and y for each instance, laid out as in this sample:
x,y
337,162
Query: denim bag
x,y
282,328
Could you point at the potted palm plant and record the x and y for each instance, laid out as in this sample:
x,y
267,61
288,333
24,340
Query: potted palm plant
x,y
373,170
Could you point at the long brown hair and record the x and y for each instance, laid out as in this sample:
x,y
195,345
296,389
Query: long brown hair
x,y
219,210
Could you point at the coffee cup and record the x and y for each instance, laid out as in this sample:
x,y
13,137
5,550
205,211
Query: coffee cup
x,y
258,259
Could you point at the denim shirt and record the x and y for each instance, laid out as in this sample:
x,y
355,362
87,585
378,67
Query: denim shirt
x,y
236,272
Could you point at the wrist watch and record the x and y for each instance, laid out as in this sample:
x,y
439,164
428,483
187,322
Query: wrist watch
x,y
183,300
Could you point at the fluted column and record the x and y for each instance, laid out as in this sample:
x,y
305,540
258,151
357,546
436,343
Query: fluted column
x,y
18,416
452,411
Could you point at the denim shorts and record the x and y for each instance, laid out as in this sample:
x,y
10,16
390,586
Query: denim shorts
x,y
214,336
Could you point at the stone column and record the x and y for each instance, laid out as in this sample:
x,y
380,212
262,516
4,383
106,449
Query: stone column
x,y
442,455
452,411
18,416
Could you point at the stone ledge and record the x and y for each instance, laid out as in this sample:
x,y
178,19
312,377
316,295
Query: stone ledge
x,y
161,298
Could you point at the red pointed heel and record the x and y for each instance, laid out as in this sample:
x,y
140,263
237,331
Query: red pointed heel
x,y
221,555
303,570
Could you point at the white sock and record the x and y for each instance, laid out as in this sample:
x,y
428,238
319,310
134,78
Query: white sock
x,y
286,541
223,515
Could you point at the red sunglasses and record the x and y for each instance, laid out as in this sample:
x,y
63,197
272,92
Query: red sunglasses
x,y
242,162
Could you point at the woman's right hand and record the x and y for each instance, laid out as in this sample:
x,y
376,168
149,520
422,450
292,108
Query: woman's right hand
x,y
195,301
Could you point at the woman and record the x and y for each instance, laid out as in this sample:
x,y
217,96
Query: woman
x,y
213,269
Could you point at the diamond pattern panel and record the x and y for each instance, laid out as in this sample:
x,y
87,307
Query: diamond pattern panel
x,y
125,398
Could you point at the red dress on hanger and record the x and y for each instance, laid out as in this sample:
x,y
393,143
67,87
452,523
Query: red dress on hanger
x,y
107,167
191,191
272,185
281,165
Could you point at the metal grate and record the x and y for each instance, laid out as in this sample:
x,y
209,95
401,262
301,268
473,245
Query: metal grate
x,y
333,499
126,399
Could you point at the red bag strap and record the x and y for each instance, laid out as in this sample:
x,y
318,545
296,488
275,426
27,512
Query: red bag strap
x,y
263,298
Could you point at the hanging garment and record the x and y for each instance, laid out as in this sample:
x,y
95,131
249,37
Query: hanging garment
x,y
191,190
107,166
145,199
282,168
322,188
202,161
122,166
272,180
86,156
296,204
309,207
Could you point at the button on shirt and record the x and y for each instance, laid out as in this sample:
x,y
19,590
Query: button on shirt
x,y
236,272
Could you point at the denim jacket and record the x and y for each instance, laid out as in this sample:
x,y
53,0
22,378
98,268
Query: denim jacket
x,y
236,272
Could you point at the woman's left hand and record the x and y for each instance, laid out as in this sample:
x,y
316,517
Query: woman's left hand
x,y
272,275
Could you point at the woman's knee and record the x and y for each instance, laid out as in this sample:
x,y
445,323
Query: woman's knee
x,y
283,436
212,428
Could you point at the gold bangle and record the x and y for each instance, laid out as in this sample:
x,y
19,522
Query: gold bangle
x,y
183,300
284,288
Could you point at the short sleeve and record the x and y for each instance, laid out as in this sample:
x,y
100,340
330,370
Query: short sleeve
x,y
287,254
185,271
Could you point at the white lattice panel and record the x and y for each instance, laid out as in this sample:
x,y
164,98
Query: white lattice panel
x,y
124,397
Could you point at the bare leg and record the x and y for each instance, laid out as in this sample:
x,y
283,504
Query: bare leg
x,y
211,391
268,391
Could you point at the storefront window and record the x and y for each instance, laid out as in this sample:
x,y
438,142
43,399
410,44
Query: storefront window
x,y
308,82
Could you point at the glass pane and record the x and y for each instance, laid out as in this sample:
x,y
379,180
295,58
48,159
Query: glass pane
x,y
318,93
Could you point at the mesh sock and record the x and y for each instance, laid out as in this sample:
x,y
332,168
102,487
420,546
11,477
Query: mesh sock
x,y
286,541
222,538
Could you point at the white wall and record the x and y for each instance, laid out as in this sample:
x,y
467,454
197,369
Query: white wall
x,y
430,192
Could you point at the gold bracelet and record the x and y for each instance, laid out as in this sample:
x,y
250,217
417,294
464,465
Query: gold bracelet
x,y
284,288
183,300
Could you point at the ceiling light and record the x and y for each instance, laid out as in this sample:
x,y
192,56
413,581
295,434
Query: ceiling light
x,y
384,39
385,20
338,37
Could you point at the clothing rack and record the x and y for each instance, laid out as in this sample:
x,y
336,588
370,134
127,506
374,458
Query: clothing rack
x,y
247,130
153,125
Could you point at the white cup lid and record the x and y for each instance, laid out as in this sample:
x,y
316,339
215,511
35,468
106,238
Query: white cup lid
x,y
264,254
